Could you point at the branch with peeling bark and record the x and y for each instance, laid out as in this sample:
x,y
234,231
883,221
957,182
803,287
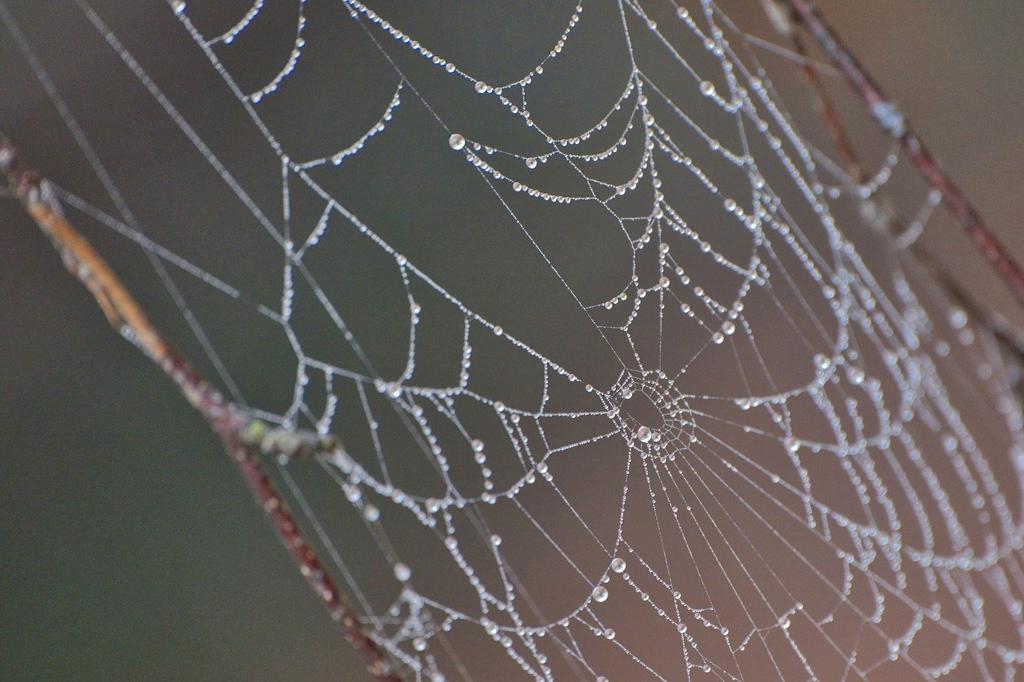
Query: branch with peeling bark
x,y
244,438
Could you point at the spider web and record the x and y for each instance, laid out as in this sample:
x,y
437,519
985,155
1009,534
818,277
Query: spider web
x,y
628,388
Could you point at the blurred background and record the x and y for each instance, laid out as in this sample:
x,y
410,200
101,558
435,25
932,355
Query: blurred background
x,y
129,548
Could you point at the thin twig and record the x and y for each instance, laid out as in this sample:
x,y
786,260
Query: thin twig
x,y
892,120
877,210
244,438
784,22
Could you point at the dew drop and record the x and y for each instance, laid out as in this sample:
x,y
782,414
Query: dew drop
x,y
958,318
600,593
644,434
456,141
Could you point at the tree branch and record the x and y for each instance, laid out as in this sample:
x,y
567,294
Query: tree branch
x,y
892,120
243,438
881,214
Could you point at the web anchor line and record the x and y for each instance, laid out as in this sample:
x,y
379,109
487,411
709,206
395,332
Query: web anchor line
x,y
243,437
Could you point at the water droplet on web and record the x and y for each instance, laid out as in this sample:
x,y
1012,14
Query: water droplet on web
x,y
958,318
456,141
402,572
644,434
531,163
480,87
600,593
618,564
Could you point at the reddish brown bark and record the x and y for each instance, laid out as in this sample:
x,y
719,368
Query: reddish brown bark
x,y
895,124
232,425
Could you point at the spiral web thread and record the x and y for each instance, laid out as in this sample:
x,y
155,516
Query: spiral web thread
x,y
847,515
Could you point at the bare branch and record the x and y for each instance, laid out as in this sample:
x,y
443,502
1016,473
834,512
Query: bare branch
x,y
892,120
786,26
243,437
877,211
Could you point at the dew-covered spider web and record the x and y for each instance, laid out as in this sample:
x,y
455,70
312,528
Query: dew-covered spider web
x,y
633,381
